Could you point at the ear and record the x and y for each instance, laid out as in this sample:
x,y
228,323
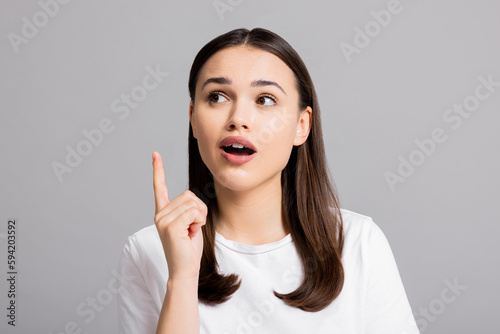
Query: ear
x,y
303,126
191,118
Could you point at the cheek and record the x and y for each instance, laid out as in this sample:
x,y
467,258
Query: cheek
x,y
204,124
276,139
279,130
208,135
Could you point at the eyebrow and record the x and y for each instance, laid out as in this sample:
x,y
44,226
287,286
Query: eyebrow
x,y
255,83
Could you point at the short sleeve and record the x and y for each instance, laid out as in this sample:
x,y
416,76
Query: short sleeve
x,y
136,309
387,310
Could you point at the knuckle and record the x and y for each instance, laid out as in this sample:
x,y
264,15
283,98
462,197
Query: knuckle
x,y
190,213
197,201
190,194
194,209
190,205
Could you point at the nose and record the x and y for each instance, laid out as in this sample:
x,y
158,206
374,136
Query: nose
x,y
241,116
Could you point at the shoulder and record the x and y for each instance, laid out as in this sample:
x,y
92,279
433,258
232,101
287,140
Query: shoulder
x,y
148,233
142,276
362,235
358,225
144,239
144,248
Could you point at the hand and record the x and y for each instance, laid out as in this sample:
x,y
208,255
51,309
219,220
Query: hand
x,y
179,225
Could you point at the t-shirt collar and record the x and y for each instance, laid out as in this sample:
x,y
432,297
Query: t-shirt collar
x,y
252,249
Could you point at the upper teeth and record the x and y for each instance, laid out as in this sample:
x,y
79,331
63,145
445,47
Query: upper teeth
x,y
236,145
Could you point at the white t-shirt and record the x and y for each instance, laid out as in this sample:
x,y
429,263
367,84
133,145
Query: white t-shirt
x,y
372,301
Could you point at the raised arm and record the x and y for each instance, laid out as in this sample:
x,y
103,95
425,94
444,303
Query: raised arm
x,y
179,222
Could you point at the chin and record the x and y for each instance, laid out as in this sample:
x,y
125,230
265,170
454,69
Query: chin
x,y
234,180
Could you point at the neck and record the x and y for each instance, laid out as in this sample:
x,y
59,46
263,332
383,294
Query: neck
x,y
252,217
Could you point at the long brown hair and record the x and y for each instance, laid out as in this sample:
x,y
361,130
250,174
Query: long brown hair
x,y
309,200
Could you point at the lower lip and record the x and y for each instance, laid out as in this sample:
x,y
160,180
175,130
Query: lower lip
x,y
237,159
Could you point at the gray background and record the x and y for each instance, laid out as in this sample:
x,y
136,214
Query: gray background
x,y
441,221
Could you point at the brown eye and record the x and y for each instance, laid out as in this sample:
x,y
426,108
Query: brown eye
x,y
262,100
215,98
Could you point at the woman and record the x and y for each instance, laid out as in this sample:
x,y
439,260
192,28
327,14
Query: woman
x,y
259,243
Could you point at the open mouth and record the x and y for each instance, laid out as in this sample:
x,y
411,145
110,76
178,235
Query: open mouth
x,y
238,151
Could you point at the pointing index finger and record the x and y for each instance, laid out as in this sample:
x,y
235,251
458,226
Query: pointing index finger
x,y
159,185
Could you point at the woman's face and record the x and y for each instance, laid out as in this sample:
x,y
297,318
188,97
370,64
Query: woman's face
x,y
247,92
